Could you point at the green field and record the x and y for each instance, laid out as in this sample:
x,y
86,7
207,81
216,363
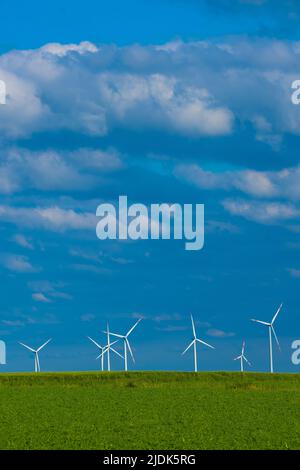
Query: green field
x,y
149,410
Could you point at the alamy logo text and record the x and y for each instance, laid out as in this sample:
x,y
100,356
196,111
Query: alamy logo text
x,y
159,221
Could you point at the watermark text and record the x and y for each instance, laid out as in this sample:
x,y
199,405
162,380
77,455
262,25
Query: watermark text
x,y
160,221
2,92
296,353
2,353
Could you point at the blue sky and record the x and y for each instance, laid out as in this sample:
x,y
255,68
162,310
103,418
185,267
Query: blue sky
x,y
182,101
28,24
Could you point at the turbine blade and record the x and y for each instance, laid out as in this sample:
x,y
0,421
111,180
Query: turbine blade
x,y
116,335
43,345
193,326
248,362
95,342
277,313
130,350
134,326
261,322
107,347
189,346
28,347
237,358
275,336
243,348
205,344
117,353
102,354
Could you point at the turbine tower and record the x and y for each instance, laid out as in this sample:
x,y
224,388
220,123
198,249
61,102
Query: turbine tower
x,y
271,333
194,343
243,358
127,346
37,367
108,347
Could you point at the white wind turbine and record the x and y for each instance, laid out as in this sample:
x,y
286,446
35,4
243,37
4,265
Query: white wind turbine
x,y
106,349
37,367
109,348
194,343
127,346
271,332
243,358
102,349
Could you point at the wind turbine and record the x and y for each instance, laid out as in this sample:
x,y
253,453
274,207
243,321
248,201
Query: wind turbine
x,y
109,348
243,358
102,349
271,332
194,343
37,367
106,349
127,344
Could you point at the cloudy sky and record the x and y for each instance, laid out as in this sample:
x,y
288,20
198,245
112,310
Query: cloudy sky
x,y
163,101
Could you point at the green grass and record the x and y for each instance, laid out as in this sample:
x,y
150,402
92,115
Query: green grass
x,y
149,410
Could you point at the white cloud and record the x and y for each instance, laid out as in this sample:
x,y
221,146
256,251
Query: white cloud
x,y
87,317
49,218
215,333
261,211
40,297
24,111
17,263
21,240
105,88
220,226
165,102
263,184
167,317
195,88
45,289
52,170
62,50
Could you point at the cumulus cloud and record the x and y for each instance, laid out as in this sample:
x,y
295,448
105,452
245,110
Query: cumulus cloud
x,y
51,170
261,211
266,184
194,89
49,218
92,90
63,49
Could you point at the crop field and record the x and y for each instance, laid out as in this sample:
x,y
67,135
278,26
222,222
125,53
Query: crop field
x,y
149,410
